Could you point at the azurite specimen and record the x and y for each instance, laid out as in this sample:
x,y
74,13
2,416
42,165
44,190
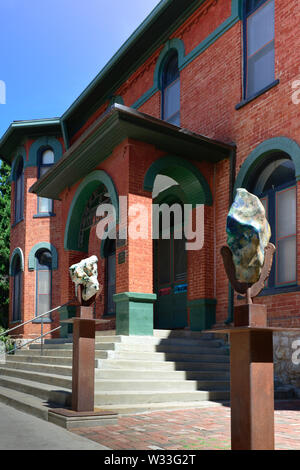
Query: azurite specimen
x,y
248,234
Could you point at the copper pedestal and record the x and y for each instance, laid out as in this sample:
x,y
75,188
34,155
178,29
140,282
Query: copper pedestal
x,y
83,367
251,378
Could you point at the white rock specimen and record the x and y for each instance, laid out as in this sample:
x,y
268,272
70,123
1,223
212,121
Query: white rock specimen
x,y
86,273
248,235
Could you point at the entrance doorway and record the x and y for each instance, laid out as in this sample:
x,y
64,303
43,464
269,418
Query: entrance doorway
x,y
110,253
170,280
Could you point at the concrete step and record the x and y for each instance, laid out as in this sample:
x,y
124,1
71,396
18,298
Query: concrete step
x,y
158,356
46,392
129,409
36,367
57,352
41,377
62,361
159,385
128,374
184,334
127,398
24,402
167,348
162,365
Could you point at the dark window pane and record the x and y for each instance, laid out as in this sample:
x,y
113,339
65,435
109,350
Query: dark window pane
x,y
180,266
260,28
286,265
111,282
164,261
261,69
171,71
172,100
44,260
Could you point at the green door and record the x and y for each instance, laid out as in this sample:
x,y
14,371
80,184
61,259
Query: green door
x,y
170,277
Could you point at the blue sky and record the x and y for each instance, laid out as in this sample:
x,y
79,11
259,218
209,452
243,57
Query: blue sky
x,y
50,50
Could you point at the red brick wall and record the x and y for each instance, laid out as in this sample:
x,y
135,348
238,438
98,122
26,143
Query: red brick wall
x,y
211,86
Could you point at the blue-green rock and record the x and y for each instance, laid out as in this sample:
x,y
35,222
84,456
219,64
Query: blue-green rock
x,y
248,235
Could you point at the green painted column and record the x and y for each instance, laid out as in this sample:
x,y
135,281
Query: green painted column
x,y
134,313
202,314
69,311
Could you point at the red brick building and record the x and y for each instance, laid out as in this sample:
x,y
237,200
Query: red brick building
x,y
199,101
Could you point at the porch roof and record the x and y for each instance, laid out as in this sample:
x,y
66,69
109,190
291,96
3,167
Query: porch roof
x,y
121,122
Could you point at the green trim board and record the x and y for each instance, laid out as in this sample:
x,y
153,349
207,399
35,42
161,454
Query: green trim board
x,y
36,248
43,143
19,153
255,159
184,60
18,130
79,201
134,313
193,184
122,123
15,254
202,314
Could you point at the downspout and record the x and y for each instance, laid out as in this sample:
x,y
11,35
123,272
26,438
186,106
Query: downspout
x,y
231,197
65,134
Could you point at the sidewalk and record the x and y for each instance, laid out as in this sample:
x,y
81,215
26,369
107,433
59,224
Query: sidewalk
x,y
206,428
22,431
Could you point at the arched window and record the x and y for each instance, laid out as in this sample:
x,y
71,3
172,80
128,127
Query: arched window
x,y
171,91
46,160
275,184
17,289
19,191
43,266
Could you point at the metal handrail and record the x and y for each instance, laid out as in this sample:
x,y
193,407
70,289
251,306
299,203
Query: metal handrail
x,y
42,326
38,316
33,340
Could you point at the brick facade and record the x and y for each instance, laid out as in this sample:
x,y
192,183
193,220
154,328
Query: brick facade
x,y
210,88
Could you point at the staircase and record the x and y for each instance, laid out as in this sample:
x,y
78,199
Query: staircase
x,y
172,369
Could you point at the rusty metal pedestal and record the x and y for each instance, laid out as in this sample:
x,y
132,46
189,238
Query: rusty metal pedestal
x,y
251,378
83,367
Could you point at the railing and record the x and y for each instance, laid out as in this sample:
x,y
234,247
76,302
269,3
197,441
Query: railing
x,y
42,335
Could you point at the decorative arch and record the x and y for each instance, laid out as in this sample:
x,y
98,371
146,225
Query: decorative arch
x,y
20,153
254,160
193,184
41,143
81,197
173,44
45,246
17,253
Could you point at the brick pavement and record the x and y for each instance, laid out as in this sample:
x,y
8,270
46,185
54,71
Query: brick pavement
x,y
191,429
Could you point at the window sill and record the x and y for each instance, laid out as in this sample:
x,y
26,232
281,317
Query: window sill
x,y
276,291
14,322
45,320
17,222
259,93
43,215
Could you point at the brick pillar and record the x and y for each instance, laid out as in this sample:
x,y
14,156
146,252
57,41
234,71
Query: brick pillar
x,y
134,298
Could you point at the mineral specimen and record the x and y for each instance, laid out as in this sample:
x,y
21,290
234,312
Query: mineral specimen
x,y
248,235
85,273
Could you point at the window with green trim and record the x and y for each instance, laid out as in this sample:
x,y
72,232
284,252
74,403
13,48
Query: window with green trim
x,y
259,46
275,185
171,91
17,290
46,160
43,266
19,191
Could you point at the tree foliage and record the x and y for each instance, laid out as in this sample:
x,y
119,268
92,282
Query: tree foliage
x,y
5,192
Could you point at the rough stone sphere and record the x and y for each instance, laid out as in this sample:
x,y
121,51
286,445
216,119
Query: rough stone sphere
x,y
248,235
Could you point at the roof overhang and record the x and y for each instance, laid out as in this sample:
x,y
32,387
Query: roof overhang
x,y
121,123
165,18
18,130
